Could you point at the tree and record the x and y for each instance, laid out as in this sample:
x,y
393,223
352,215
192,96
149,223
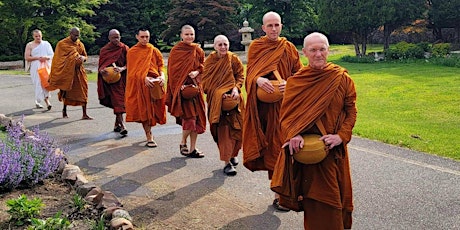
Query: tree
x,y
444,14
209,18
354,16
393,14
298,17
128,17
54,17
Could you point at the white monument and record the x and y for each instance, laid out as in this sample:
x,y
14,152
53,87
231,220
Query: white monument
x,y
246,36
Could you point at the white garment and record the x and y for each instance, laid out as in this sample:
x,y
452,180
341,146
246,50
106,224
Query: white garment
x,y
44,49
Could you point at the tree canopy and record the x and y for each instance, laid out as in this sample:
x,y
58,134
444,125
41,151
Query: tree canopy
x,y
359,18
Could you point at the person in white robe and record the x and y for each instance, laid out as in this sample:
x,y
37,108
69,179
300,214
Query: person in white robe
x,y
38,53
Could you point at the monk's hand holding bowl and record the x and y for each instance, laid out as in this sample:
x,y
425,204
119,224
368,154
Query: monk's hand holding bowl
x,y
295,144
149,81
162,81
282,86
235,94
265,84
193,74
331,140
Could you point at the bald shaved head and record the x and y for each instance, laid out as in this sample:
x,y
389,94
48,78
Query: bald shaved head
x,y
74,34
114,36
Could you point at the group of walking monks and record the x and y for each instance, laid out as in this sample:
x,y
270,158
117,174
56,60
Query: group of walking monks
x,y
269,133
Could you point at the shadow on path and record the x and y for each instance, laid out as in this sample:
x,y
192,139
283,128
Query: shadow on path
x,y
267,221
166,206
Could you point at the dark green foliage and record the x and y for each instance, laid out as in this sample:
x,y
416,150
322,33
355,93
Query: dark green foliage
x,y
15,57
440,49
356,59
209,18
404,50
426,46
452,61
128,17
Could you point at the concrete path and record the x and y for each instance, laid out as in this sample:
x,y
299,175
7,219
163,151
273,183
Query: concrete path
x,y
394,188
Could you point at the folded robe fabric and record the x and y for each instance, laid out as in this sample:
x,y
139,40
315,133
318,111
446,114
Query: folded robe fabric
x,y
265,56
143,61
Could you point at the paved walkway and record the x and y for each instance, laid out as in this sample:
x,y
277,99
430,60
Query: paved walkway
x,y
394,188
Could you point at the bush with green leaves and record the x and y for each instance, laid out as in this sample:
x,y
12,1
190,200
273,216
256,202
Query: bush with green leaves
x,y
356,59
404,50
22,210
440,49
52,223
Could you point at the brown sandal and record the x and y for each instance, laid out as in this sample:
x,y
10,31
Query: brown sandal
x,y
183,149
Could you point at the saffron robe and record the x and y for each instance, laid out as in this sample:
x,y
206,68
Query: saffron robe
x,y
220,76
183,59
112,95
143,61
42,50
68,74
328,94
261,140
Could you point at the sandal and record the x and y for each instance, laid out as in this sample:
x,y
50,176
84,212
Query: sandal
x,y
277,206
183,149
151,144
117,129
195,154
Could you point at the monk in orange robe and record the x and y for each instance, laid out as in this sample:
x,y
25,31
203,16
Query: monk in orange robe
x,y
261,141
185,65
223,78
321,91
144,66
68,73
113,95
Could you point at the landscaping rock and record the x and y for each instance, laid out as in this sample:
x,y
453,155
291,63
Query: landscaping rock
x,y
70,173
5,121
84,189
81,180
109,200
121,223
121,214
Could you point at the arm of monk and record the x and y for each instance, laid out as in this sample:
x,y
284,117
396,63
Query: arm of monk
x,y
345,130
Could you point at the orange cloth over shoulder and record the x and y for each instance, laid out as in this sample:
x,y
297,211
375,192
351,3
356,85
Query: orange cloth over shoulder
x,y
183,59
65,64
327,94
143,61
220,75
264,56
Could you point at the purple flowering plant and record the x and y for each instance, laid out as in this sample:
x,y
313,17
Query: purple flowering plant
x,y
27,157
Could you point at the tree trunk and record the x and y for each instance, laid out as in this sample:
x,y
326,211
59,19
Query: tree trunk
x,y
387,30
356,44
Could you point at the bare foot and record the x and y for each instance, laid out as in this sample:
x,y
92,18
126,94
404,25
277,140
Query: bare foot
x,y
86,117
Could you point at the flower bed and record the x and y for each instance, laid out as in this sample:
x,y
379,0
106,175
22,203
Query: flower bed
x,y
27,156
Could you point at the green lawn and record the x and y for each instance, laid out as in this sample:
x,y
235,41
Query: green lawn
x,y
414,105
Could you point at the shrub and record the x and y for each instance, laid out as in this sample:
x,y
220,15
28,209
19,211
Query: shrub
x,y
27,156
15,57
426,46
404,50
23,209
356,59
440,49
453,61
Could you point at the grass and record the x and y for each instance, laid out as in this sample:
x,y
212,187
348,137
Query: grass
x,y
413,104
